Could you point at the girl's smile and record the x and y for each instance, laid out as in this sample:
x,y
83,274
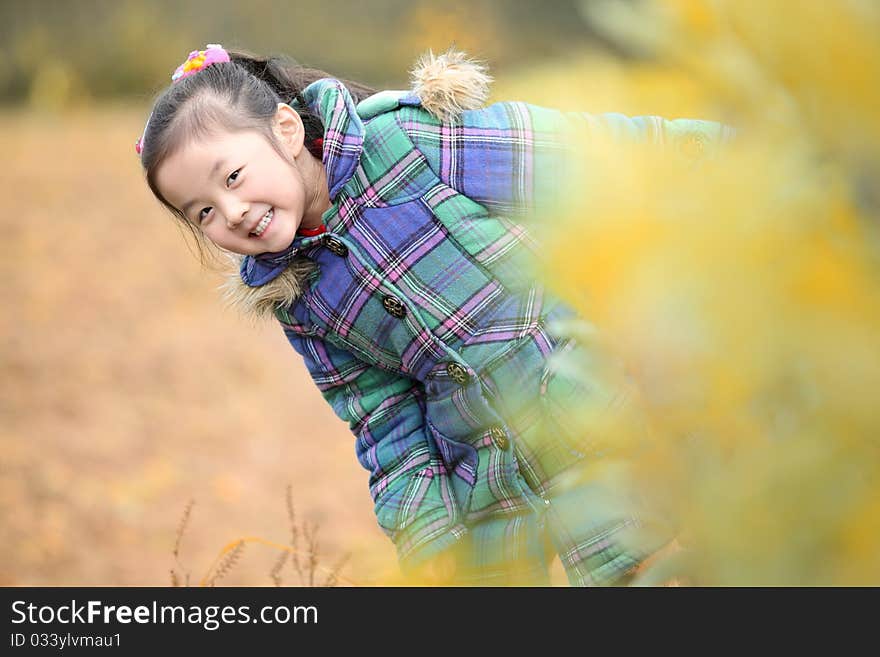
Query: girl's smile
x,y
264,224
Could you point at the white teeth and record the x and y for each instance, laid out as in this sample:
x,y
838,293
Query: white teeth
x,y
264,222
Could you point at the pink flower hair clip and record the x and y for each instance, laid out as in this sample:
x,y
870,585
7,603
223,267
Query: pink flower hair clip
x,y
200,59
197,61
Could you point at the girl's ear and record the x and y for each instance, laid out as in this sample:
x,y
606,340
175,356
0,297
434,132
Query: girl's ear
x,y
288,127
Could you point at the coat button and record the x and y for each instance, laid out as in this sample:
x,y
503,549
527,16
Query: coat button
x,y
458,373
394,307
336,247
499,438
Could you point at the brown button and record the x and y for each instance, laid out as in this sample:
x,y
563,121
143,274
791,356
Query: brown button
x,y
394,307
336,247
458,373
499,438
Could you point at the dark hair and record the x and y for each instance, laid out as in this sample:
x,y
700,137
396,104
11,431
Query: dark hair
x,y
242,94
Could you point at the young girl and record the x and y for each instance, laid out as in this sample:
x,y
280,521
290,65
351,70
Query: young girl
x,y
380,230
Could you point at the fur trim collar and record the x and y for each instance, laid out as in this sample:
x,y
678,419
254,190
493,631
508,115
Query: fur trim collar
x,y
262,301
446,84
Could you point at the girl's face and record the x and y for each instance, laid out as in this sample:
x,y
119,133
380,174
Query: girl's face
x,y
241,194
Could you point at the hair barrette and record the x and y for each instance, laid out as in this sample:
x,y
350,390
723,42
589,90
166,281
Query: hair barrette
x,y
199,60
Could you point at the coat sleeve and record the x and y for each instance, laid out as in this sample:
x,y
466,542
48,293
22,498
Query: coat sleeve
x,y
410,487
510,156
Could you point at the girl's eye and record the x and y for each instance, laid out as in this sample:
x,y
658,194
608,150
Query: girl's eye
x,y
231,178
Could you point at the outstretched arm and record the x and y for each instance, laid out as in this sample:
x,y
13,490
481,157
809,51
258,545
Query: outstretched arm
x,y
511,157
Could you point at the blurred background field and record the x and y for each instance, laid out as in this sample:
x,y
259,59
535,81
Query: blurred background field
x,y
743,300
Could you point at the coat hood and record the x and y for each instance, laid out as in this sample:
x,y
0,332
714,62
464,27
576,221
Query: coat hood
x,y
444,85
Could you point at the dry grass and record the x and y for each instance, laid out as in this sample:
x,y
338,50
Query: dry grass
x,y
305,563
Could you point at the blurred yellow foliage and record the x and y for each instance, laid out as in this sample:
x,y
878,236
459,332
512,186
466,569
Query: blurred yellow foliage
x,y
740,289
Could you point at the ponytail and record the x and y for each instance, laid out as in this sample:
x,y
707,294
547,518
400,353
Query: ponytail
x,y
288,79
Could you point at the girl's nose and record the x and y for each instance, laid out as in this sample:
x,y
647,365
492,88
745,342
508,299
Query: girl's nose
x,y
235,214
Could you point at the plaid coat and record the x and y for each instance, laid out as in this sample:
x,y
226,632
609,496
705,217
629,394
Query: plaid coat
x,y
421,323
